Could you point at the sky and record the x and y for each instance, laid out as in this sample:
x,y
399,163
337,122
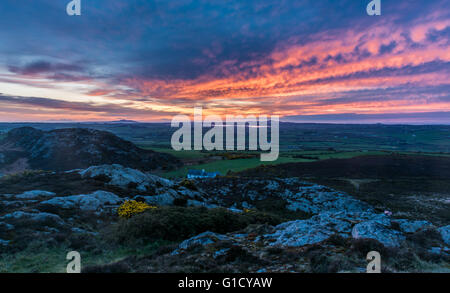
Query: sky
x,y
304,60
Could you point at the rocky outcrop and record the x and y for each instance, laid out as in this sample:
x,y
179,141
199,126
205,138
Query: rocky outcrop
x,y
445,233
204,238
165,199
77,148
34,194
86,202
299,233
324,212
411,226
375,230
121,176
321,227
40,217
6,226
313,198
196,203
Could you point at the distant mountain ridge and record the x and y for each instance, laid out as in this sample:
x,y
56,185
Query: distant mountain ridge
x,y
75,148
123,121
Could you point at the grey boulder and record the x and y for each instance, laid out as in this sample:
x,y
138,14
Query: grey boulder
x,y
34,194
37,217
374,230
123,176
88,202
445,233
411,226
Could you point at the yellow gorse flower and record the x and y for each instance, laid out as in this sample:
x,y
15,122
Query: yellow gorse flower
x,y
131,207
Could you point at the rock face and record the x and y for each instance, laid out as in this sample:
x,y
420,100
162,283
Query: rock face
x,y
321,227
204,238
165,199
34,194
76,148
409,226
6,226
375,230
299,233
445,233
297,194
323,212
315,199
123,177
41,217
87,202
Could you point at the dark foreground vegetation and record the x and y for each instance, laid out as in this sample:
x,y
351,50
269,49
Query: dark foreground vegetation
x,y
304,213
418,186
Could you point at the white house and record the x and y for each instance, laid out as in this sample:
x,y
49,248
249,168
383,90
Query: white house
x,y
193,174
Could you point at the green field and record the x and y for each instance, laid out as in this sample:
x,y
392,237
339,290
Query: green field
x,y
202,160
179,154
224,166
298,142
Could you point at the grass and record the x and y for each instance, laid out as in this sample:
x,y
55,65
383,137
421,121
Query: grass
x,y
53,259
223,166
179,223
179,154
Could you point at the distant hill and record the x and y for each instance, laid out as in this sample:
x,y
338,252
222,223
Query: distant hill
x,y
394,166
74,148
123,121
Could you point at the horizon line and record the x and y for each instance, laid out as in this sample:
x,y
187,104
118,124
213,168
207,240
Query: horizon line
x,y
284,122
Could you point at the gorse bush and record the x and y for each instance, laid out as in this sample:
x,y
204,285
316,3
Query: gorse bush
x,y
188,184
178,223
131,207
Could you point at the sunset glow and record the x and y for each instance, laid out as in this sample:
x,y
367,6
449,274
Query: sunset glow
x,y
141,60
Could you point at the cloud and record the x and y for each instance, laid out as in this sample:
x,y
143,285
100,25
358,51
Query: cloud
x,y
255,56
45,105
39,67
55,71
442,118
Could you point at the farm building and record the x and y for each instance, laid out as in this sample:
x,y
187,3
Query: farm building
x,y
193,174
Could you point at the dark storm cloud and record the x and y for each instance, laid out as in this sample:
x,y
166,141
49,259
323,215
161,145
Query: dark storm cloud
x,y
44,67
436,117
264,54
176,39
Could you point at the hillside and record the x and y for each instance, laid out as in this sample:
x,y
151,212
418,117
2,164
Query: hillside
x,y
226,224
74,148
413,184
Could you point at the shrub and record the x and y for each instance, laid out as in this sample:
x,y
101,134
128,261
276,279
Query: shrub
x,y
362,246
181,202
188,184
179,223
338,240
319,261
131,207
426,238
240,254
113,268
81,241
